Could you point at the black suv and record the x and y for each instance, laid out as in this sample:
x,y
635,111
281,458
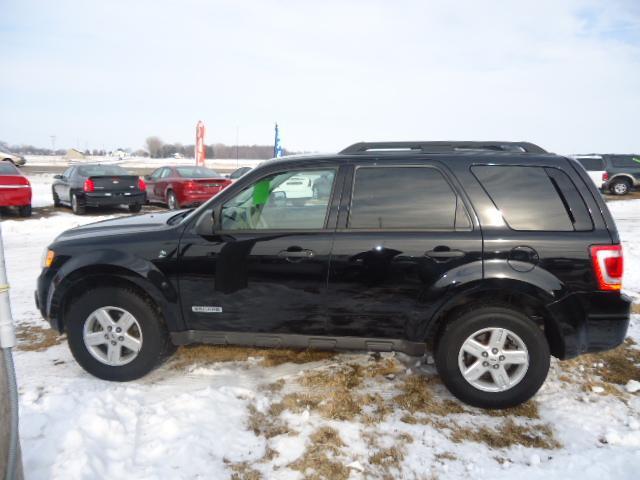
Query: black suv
x,y
494,255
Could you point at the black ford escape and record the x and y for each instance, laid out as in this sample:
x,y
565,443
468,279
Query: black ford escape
x,y
495,255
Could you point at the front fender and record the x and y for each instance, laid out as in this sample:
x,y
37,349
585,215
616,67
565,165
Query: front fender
x,y
79,269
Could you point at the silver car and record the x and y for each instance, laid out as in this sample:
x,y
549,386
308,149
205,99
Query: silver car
x,y
17,160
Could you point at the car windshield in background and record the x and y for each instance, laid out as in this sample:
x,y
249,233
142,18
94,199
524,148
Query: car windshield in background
x,y
100,170
7,169
196,172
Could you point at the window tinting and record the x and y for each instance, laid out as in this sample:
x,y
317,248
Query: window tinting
x,y
402,197
526,197
626,161
592,164
7,168
573,201
97,170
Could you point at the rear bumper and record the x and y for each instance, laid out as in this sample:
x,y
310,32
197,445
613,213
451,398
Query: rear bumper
x,y
15,197
196,198
591,322
111,199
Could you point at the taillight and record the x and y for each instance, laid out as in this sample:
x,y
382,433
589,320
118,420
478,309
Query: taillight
x,y
189,185
89,186
608,264
141,185
605,176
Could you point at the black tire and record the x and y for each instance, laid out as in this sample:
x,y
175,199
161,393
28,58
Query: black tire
x,y
135,208
620,186
25,211
172,201
460,328
77,205
56,198
155,339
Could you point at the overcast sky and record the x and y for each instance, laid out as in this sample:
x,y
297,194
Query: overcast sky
x,y
564,74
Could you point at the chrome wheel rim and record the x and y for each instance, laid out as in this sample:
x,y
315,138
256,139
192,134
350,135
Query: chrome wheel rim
x,y
620,188
112,336
74,203
172,201
493,359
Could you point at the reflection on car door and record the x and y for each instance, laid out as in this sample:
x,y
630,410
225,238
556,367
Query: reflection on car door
x,y
265,268
405,232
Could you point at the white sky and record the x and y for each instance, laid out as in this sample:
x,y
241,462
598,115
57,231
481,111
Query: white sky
x,y
564,74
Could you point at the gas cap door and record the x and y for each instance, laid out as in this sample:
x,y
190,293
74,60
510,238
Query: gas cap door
x,y
523,259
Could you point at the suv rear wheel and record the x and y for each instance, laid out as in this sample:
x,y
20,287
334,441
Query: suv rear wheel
x,y
492,357
115,334
620,186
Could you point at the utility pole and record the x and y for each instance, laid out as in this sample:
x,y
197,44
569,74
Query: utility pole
x,y
10,458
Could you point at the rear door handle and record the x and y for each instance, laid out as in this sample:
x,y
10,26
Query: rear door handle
x,y
445,253
296,253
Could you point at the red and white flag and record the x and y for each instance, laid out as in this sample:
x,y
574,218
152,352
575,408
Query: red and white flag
x,y
200,148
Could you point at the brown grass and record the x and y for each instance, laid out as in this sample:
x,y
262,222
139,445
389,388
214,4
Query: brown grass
x,y
243,471
619,365
271,357
319,459
294,402
507,434
445,456
635,308
266,425
417,397
528,409
388,458
32,338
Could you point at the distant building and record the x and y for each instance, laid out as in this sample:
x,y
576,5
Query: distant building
x,y
73,154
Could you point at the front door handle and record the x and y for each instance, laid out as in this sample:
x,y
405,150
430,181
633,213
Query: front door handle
x,y
296,253
444,253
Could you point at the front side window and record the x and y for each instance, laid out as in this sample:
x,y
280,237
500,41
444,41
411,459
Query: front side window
x,y
295,200
156,173
403,198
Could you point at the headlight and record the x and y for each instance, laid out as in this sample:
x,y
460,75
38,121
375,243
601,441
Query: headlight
x,y
47,258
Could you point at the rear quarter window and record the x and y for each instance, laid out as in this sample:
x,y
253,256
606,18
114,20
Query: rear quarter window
x,y
626,162
592,164
535,198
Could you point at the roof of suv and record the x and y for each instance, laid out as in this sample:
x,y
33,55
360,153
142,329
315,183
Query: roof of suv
x,y
525,152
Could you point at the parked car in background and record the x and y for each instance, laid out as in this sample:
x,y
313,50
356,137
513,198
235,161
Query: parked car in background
x,y
620,173
236,174
17,160
15,189
96,185
183,186
420,246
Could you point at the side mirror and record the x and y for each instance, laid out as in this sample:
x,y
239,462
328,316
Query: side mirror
x,y
58,177
205,224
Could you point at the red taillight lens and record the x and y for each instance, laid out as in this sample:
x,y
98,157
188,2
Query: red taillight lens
x,y
605,176
608,264
189,185
141,185
89,186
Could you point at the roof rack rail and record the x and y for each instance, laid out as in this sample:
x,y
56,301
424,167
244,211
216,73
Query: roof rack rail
x,y
440,147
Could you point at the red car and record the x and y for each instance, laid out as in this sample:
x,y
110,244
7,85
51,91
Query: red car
x,y
15,189
178,186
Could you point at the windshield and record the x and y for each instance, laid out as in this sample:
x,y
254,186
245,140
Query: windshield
x,y
196,172
7,168
98,170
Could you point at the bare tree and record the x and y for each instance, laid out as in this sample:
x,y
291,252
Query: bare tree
x,y
154,146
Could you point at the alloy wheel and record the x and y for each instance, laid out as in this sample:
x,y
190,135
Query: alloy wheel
x,y
112,336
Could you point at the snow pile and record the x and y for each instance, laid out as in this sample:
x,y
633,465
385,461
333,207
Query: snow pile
x,y
198,422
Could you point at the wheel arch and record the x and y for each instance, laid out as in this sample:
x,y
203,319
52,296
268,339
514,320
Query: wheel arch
x,y
625,176
524,297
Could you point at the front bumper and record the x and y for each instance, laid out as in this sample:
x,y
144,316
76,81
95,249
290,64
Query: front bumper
x,y
112,199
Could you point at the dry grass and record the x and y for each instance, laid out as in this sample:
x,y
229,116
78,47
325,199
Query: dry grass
x,y
271,357
294,402
319,459
388,458
506,435
635,308
445,456
614,366
243,471
32,338
267,425
528,409
417,396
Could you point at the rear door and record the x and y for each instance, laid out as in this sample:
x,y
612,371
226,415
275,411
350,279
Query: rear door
x,y
404,233
151,184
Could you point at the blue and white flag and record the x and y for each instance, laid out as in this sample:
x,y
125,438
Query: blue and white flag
x,y
277,148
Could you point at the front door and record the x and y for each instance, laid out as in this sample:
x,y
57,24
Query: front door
x,y
404,235
264,269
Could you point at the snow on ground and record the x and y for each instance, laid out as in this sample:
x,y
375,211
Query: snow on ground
x,y
215,420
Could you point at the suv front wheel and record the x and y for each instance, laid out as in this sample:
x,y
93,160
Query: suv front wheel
x,y
492,357
115,334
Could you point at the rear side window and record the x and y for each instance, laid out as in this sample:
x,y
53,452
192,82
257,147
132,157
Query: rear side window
x,y
535,198
626,162
405,198
7,168
592,164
